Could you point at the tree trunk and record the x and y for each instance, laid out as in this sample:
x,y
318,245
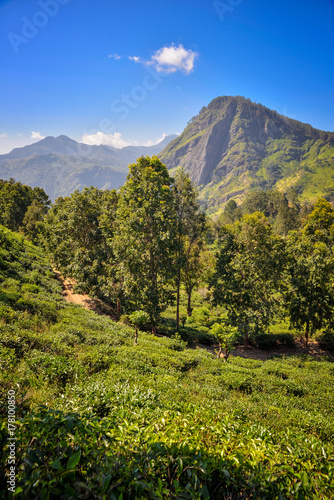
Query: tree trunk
x,y
118,307
307,330
246,340
178,300
189,308
136,336
219,352
155,288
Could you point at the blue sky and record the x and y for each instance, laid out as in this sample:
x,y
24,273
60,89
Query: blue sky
x,y
58,76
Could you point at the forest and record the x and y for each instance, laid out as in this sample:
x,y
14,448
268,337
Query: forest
x,y
149,401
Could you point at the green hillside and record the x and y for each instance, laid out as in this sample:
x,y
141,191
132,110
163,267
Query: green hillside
x,y
97,417
235,146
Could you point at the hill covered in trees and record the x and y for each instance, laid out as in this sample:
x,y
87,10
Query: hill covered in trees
x,y
235,146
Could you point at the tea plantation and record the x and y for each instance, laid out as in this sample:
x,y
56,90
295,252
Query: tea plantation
x,y
100,418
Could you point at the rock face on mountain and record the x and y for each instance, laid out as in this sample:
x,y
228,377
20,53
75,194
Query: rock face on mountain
x,y
234,146
61,165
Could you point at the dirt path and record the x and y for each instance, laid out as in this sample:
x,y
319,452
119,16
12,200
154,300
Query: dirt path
x,y
96,305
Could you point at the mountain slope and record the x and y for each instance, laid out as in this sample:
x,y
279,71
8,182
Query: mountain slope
x,y
234,146
61,165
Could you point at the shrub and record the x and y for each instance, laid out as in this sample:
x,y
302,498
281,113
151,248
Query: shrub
x,y
201,316
176,343
124,319
226,337
286,339
265,341
30,288
326,340
55,369
205,338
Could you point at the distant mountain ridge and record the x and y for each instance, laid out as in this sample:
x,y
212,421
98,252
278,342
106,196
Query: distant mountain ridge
x,y
61,165
234,146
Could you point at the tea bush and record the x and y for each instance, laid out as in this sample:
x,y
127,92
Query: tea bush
x,y
98,417
326,340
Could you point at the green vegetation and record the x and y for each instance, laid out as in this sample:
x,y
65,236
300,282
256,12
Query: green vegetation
x,y
22,207
100,418
226,337
102,415
235,146
248,272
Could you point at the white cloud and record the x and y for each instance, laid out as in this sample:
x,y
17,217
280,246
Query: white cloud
x,y
153,143
37,136
115,140
170,59
3,135
114,56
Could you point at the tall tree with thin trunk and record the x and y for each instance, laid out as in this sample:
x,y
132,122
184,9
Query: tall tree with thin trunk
x,y
144,241
190,225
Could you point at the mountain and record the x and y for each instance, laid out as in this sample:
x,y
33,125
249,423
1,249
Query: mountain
x,y
234,146
61,165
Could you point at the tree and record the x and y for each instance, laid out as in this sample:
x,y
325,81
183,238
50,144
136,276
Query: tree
x,y
256,201
78,231
247,274
309,294
231,214
144,241
284,216
32,220
190,228
15,198
319,224
138,319
226,337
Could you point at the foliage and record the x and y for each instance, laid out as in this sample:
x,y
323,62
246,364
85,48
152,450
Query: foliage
x,y
231,214
248,272
226,337
105,418
326,339
202,316
16,200
319,226
198,269
309,286
77,234
190,229
144,241
138,319
32,221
